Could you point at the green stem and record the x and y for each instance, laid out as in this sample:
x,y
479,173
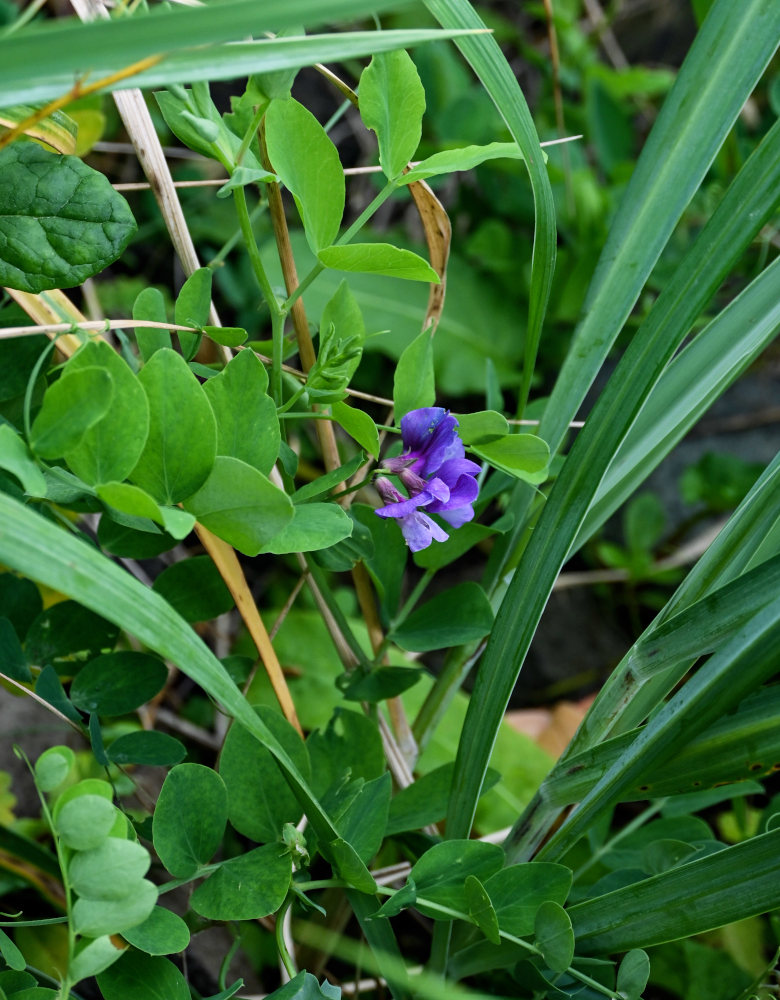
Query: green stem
x,y
291,402
635,824
277,315
250,134
222,253
355,228
279,935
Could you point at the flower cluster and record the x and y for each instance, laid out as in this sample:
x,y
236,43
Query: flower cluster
x,y
436,474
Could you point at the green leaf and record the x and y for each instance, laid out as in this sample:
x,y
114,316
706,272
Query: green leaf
x,y
260,801
363,822
241,505
61,222
15,457
382,683
425,801
192,309
110,449
162,933
349,745
177,522
359,425
242,176
440,874
142,977
190,818
392,103
179,452
460,614
195,588
111,871
95,958
12,658
85,822
229,336
118,683
554,935
314,526
150,305
308,165
378,258
342,334
247,425
129,499
96,917
53,767
350,867
524,456
465,158
247,887
150,748
413,381
482,427
735,883
71,406
68,630
11,954
324,484
480,909
21,602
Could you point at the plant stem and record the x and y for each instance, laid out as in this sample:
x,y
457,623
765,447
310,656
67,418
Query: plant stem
x,y
279,935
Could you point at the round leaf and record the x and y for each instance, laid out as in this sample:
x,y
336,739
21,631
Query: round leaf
x,y
459,615
554,936
195,589
633,974
60,221
143,977
111,871
190,818
314,526
247,887
162,933
117,683
85,822
71,406
95,917
95,958
53,767
151,748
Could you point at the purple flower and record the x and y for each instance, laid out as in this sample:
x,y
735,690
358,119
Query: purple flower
x,y
436,474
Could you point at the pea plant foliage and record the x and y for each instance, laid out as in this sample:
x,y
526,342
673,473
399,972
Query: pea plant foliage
x,y
317,790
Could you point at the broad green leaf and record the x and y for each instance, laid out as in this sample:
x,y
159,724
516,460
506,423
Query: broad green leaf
x,y
111,871
21,601
142,977
314,526
15,457
247,425
95,917
229,336
129,499
480,909
71,406
633,974
363,822
53,767
190,818
247,887
118,683
61,222
162,933
442,554
382,683
350,744
192,309
440,874
465,158
68,630
195,588
378,258
48,686
11,954
392,103
95,958
260,801
150,748
83,788
425,801
150,305
554,935
518,891
12,658
110,449
350,866
241,505
177,522
134,538
359,425
85,822
737,882
308,165
304,986
524,456
458,615
179,452
18,358
413,381
242,176
324,484
482,427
